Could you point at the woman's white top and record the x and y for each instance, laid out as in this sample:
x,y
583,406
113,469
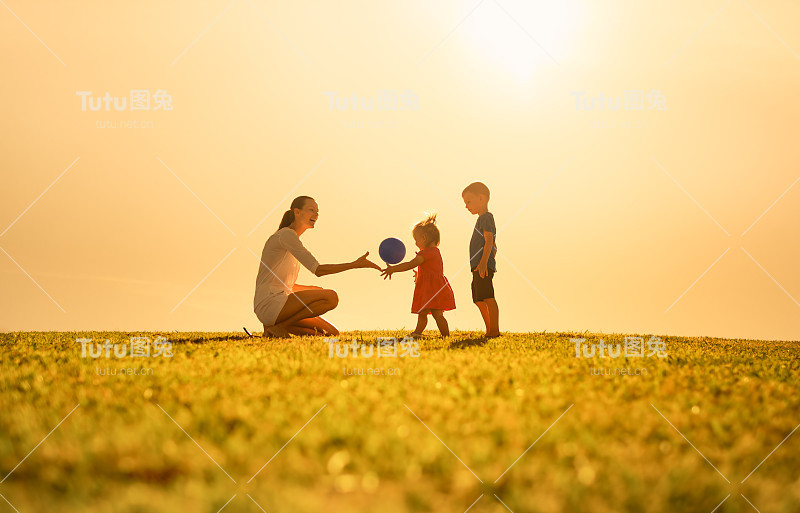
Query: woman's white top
x,y
280,264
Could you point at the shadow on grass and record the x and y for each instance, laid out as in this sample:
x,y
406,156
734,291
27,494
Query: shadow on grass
x,y
203,340
469,342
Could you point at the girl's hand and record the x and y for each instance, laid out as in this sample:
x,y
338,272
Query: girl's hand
x,y
387,273
482,269
415,275
363,262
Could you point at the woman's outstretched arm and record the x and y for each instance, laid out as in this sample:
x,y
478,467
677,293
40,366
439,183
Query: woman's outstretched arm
x,y
360,263
297,287
291,242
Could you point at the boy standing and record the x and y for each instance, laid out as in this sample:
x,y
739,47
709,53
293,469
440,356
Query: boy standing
x,y
482,249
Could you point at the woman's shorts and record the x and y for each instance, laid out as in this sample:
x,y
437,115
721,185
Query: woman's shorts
x,y
269,309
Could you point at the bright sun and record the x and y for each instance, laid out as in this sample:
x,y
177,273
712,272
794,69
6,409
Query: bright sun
x,y
506,31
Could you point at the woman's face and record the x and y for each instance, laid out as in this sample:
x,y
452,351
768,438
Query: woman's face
x,y
307,216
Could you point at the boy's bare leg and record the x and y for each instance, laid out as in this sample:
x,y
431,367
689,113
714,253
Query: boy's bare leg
x,y
422,322
484,308
441,322
493,326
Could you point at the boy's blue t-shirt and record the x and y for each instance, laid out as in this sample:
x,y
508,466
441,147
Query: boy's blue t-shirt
x,y
485,222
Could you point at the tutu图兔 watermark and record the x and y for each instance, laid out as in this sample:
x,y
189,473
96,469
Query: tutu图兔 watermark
x,y
386,347
634,348
365,107
630,101
139,99
138,347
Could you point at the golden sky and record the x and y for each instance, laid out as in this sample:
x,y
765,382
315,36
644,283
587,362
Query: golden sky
x,y
677,213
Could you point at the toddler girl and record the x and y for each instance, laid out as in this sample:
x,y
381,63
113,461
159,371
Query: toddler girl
x,y
432,292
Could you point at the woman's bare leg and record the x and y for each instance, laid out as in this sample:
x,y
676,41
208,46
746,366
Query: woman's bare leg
x,y
301,305
302,332
317,326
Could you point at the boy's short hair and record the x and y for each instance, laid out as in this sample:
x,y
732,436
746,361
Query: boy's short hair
x,y
476,188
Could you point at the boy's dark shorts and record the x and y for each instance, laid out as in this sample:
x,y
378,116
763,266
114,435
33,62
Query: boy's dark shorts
x,y
482,288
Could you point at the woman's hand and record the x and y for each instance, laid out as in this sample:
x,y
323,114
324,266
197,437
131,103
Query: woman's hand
x,y
387,273
363,262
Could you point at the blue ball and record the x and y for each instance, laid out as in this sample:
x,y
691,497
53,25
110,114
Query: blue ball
x,y
392,251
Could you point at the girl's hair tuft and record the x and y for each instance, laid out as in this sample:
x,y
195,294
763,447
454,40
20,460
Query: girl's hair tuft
x,y
428,229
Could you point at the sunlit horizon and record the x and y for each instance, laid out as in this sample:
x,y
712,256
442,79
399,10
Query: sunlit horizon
x,y
672,214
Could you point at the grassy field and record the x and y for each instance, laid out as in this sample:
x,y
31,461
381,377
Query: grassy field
x,y
516,423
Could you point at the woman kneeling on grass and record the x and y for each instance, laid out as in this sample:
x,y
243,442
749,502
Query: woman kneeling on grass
x,y
283,306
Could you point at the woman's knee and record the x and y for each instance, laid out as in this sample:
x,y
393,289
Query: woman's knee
x,y
332,298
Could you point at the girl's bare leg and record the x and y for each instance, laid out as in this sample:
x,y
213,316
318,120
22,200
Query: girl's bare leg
x,y
422,321
441,322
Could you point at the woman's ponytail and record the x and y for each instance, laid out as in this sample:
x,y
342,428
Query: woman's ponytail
x,y
288,216
287,219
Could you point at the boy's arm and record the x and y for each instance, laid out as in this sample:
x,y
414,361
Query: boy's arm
x,y
488,247
405,266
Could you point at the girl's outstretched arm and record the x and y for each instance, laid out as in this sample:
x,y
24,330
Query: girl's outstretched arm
x,y
405,266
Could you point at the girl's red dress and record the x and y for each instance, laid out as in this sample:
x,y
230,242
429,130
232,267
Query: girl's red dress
x,y
432,290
